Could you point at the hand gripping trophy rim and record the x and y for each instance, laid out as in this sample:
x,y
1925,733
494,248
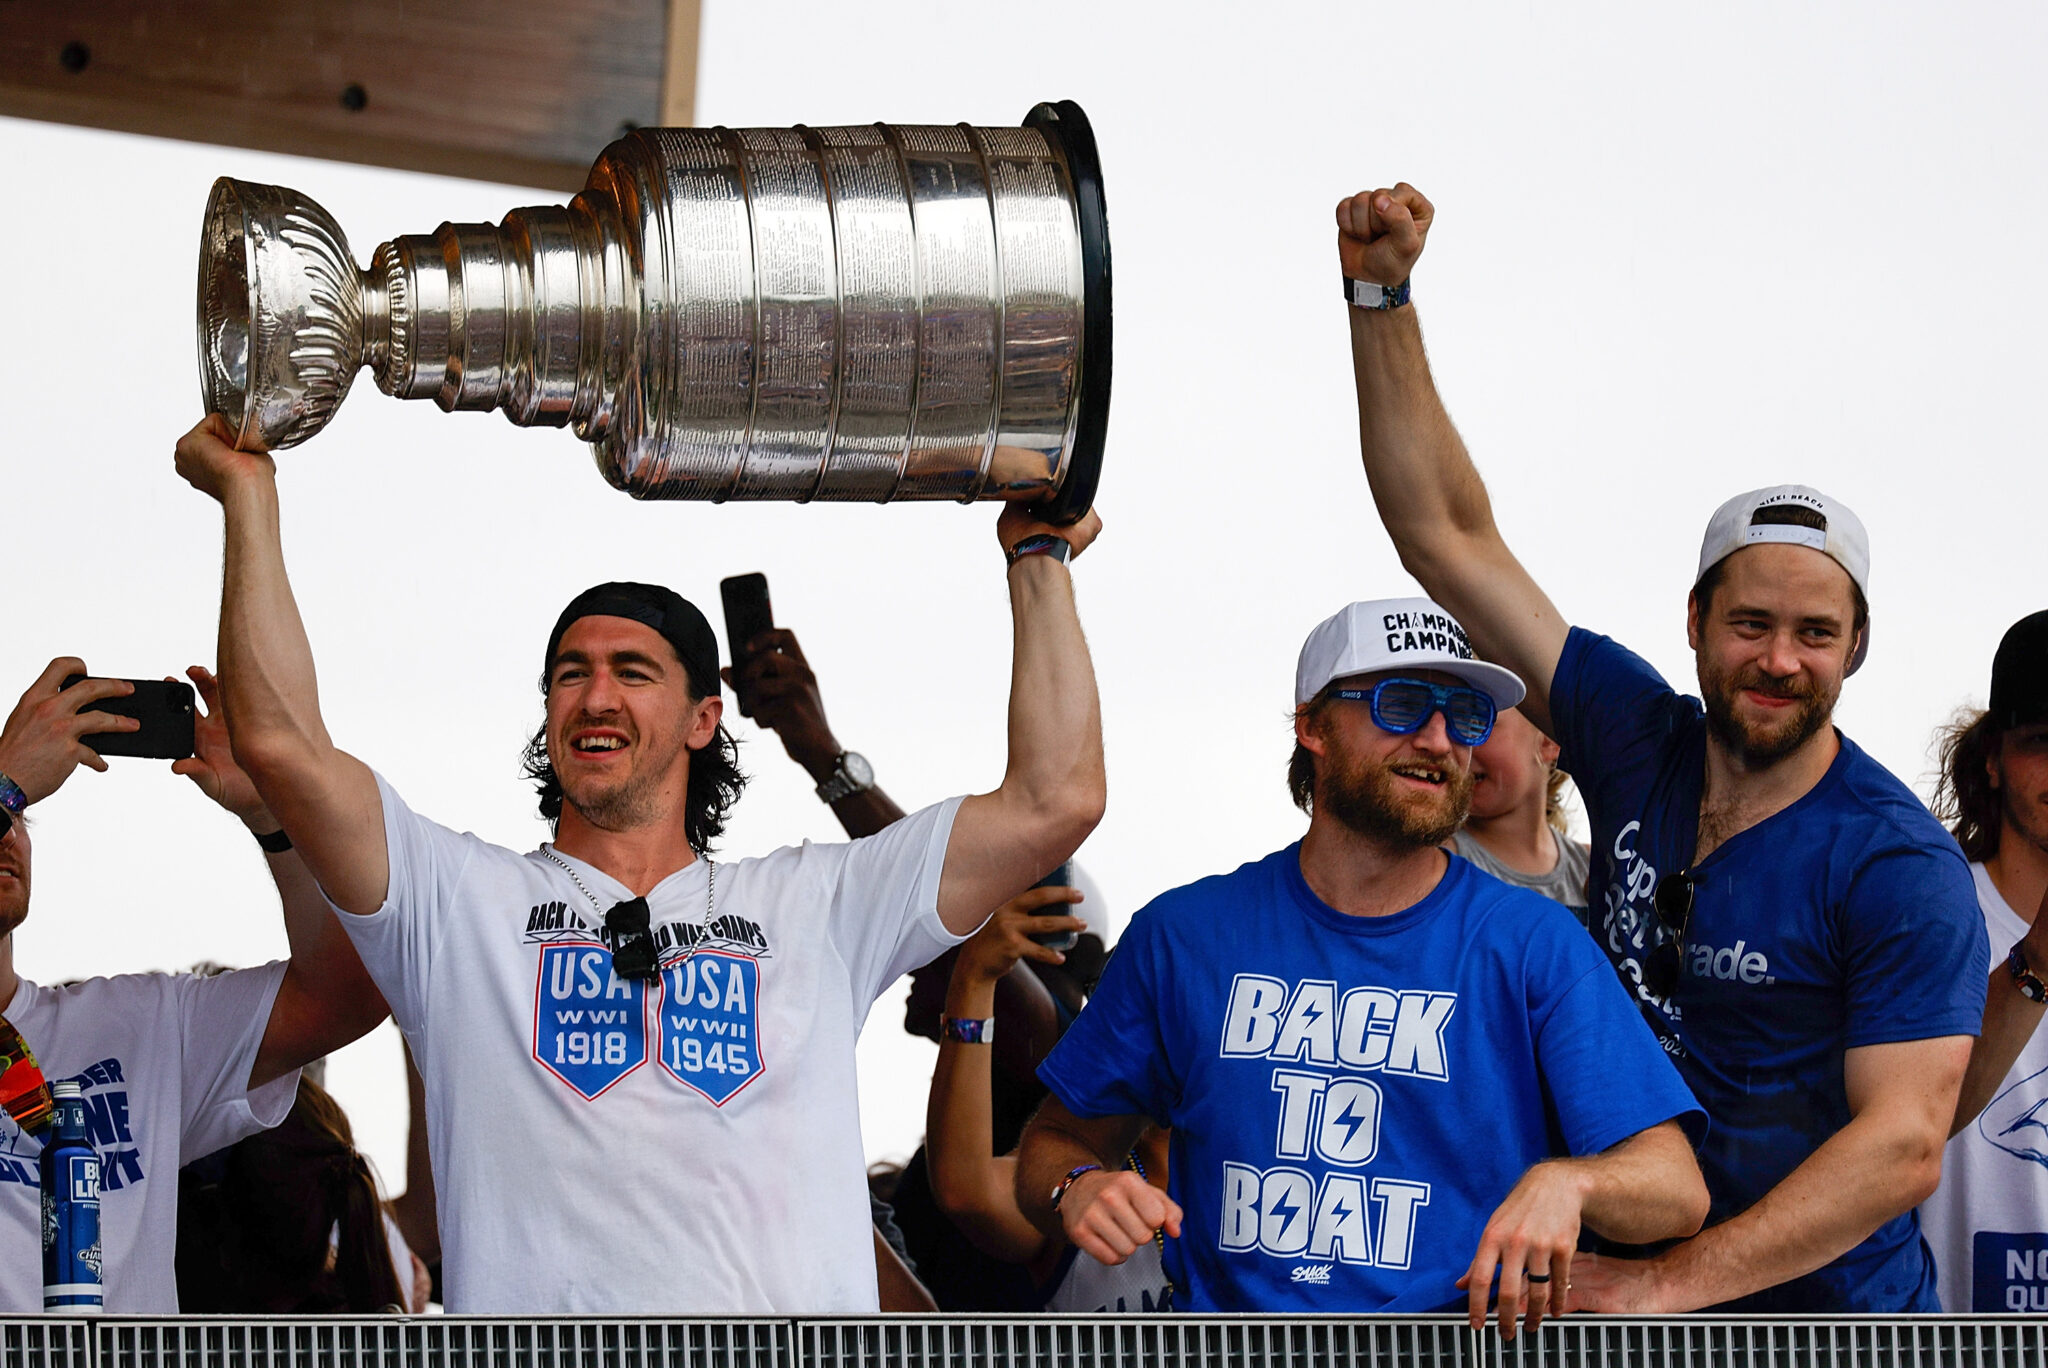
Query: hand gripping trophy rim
x,y
286,318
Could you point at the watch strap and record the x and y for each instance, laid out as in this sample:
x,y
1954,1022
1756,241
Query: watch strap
x,y
276,842
1042,544
968,1030
1059,1192
2023,976
1366,294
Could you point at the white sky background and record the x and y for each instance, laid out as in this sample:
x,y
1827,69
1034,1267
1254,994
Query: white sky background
x,y
1678,256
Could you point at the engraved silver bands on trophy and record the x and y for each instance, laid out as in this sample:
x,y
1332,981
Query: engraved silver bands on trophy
x,y
869,313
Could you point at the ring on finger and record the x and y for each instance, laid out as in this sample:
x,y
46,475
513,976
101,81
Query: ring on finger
x,y
1536,1277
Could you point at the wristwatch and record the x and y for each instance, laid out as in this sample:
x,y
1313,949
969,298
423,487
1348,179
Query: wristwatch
x,y
1366,294
851,774
2023,976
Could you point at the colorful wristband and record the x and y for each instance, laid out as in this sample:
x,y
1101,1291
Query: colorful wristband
x,y
1042,544
11,796
1059,1193
968,1030
2023,976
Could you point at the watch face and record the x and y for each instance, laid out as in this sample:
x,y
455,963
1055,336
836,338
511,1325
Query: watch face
x,y
856,767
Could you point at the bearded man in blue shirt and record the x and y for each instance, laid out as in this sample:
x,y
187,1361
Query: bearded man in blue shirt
x,y
1386,1073
1800,932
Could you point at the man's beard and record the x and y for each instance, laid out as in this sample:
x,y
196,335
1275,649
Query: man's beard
x,y
1372,801
1756,746
622,804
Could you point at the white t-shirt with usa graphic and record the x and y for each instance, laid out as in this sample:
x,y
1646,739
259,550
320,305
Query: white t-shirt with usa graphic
x,y
689,1145
163,1061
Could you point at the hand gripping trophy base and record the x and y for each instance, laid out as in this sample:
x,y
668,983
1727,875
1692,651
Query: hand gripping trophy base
x,y
878,313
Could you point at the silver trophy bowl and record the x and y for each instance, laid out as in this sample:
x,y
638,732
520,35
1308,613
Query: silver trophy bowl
x,y
871,313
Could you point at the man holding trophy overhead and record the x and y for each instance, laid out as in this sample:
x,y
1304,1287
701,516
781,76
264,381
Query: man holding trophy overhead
x,y
639,1063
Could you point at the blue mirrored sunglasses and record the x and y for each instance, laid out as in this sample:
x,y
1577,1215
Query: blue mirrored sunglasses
x,y
1402,706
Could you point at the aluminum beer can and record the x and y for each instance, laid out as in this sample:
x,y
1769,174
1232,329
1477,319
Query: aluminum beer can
x,y
71,1210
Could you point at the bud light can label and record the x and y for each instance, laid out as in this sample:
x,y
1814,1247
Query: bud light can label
x,y
71,1235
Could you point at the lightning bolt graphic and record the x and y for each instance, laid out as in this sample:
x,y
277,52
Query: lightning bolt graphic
x,y
1311,1012
1340,1211
1286,1210
1351,1121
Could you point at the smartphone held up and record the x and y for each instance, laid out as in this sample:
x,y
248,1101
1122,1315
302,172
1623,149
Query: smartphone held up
x,y
165,709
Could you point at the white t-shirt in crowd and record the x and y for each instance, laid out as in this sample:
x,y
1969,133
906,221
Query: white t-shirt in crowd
x,y
1988,1221
686,1146
163,1061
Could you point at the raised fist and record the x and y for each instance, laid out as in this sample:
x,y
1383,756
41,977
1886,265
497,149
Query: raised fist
x,y
1380,233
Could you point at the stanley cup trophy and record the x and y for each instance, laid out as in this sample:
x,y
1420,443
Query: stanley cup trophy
x,y
874,313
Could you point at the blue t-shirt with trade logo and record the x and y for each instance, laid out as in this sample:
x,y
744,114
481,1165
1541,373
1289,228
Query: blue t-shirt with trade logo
x,y
1352,1097
1848,919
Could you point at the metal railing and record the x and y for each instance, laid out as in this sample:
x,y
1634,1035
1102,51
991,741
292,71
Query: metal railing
x,y
1027,1342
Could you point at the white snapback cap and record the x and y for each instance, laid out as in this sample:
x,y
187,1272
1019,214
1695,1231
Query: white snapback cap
x,y
1840,537
1396,634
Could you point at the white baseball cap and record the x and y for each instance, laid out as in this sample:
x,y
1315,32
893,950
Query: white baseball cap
x,y
1840,536
1396,634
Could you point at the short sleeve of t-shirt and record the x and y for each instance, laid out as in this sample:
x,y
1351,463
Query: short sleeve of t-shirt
x,y
1113,1060
396,941
1916,968
222,1020
1612,712
1593,1035
885,909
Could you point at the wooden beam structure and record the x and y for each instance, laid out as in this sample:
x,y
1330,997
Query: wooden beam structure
x,y
527,91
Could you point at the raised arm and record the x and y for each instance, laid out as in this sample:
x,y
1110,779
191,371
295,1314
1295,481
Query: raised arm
x,y
778,689
1053,789
972,1184
1886,1161
327,998
1429,494
1646,1188
326,798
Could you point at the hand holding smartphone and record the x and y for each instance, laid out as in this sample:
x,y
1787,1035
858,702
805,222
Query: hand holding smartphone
x,y
1063,877
747,615
164,707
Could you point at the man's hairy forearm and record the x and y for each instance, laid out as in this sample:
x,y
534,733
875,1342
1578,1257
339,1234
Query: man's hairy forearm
x,y
267,673
1422,477
1055,717
1646,1188
1048,1152
1871,1170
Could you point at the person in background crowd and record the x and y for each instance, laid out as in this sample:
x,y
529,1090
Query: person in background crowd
x,y
173,1066
974,1185
1801,933
1988,1221
1516,830
1363,997
289,1222
673,1039
775,685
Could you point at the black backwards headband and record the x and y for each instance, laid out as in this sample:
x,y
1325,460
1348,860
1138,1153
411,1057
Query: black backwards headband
x,y
672,616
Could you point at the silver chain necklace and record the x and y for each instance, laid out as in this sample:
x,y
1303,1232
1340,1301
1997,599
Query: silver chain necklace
x,y
710,898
